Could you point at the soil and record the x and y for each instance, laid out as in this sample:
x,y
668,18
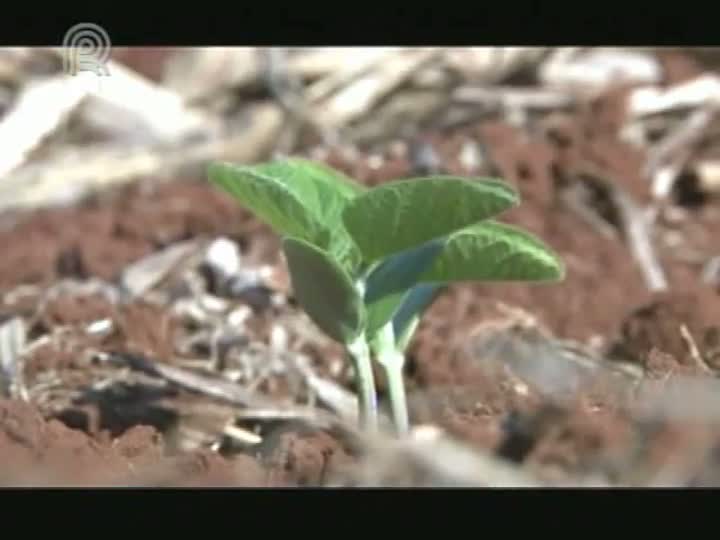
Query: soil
x,y
89,423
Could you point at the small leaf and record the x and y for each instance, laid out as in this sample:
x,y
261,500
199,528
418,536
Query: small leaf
x,y
406,318
492,251
389,283
324,290
296,198
402,214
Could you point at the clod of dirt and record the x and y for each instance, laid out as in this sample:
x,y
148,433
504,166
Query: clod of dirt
x,y
140,443
145,329
206,468
658,326
304,457
55,453
587,441
36,452
75,310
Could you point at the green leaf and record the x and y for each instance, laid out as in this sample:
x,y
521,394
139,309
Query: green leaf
x,y
402,214
324,173
408,315
492,251
324,290
296,198
389,282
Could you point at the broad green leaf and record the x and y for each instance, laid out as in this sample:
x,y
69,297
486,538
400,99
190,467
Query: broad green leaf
x,y
324,290
296,198
389,283
402,214
345,252
492,251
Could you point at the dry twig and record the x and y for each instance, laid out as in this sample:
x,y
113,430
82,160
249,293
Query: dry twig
x,y
203,74
40,110
228,392
666,158
72,174
701,91
636,226
512,98
357,99
12,346
211,386
693,350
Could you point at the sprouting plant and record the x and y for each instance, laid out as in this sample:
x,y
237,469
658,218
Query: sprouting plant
x,y
366,263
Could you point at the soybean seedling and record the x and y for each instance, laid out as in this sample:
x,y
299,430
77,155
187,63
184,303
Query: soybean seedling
x,y
366,263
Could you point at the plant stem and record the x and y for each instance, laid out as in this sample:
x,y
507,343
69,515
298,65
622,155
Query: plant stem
x,y
392,359
367,395
392,362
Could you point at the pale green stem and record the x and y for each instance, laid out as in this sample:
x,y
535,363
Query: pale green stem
x,y
392,360
367,395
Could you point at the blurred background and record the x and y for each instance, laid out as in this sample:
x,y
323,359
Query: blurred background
x,y
166,111
163,111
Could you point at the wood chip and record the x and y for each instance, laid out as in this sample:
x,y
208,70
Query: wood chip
x,y
41,108
141,276
513,98
128,104
12,344
708,173
204,73
364,93
701,91
693,350
330,394
594,70
638,235
489,65
666,158
317,63
241,435
353,63
72,173
210,386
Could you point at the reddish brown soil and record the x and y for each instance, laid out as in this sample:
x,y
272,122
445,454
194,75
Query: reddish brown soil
x,y
604,299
